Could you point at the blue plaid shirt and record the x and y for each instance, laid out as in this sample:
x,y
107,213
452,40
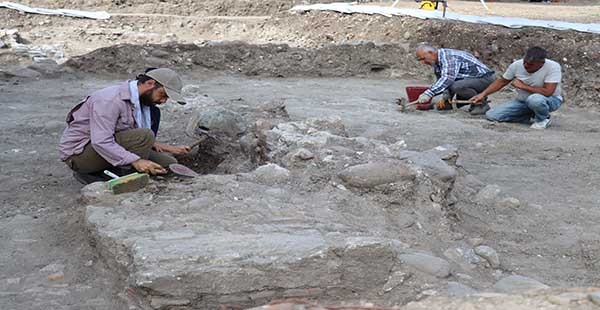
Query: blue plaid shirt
x,y
454,65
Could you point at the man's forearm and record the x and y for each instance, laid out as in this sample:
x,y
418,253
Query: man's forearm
x,y
496,86
538,90
439,86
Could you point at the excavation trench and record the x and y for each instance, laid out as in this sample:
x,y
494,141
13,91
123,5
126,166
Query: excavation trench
x,y
319,188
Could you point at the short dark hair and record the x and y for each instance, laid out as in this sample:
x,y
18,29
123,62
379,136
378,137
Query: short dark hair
x,y
142,78
535,53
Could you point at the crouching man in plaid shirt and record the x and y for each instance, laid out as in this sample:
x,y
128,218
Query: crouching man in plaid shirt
x,y
458,74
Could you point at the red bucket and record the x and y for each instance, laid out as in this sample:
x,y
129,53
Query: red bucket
x,y
413,93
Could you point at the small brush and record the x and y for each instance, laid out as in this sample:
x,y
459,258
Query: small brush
x,y
128,183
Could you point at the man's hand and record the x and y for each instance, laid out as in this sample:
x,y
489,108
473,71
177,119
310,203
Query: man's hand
x,y
423,98
519,84
147,166
477,99
160,147
175,150
179,150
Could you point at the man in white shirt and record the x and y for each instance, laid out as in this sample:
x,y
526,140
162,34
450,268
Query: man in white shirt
x,y
537,81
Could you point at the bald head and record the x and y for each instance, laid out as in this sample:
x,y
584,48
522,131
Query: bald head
x,y
426,54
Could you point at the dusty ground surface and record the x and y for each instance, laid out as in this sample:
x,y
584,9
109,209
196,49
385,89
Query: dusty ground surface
x,y
48,258
550,237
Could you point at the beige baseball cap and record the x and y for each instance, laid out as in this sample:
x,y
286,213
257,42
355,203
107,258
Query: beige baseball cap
x,y
171,82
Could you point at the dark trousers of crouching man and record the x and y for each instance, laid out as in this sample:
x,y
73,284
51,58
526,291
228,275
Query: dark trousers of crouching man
x,y
465,89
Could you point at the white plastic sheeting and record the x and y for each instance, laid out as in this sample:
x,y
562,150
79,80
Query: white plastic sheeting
x,y
63,12
509,22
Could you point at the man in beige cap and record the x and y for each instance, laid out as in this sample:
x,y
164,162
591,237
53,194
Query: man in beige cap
x,y
116,127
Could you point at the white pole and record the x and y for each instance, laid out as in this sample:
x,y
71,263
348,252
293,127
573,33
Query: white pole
x,y
485,6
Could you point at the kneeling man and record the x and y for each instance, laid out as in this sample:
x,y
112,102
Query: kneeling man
x,y
537,81
112,128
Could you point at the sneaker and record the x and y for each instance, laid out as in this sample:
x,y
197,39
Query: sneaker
x,y
541,125
479,109
87,178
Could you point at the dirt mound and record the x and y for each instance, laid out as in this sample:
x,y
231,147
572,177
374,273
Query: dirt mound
x,y
496,46
279,60
179,7
318,34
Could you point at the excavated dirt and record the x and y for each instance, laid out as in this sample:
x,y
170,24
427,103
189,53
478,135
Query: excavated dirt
x,y
498,47
178,7
320,44
326,82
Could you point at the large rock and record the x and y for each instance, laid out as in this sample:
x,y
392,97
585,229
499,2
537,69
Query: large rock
x,y
377,173
518,284
464,257
20,73
431,164
445,152
312,135
488,254
595,298
215,240
271,174
219,119
459,289
302,154
429,264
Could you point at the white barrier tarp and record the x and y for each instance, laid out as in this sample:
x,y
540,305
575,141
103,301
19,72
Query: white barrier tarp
x,y
509,22
63,12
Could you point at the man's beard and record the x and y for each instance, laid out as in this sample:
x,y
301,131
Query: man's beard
x,y
146,98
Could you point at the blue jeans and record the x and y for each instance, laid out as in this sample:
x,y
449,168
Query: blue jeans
x,y
536,105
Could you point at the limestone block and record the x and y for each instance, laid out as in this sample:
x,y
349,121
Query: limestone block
x,y
376,173
429,264
518,284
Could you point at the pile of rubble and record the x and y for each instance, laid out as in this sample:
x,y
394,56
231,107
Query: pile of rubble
x,y
311,213
39,59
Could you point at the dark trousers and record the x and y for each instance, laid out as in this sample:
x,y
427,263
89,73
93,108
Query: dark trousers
x,y
154,119
466,88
